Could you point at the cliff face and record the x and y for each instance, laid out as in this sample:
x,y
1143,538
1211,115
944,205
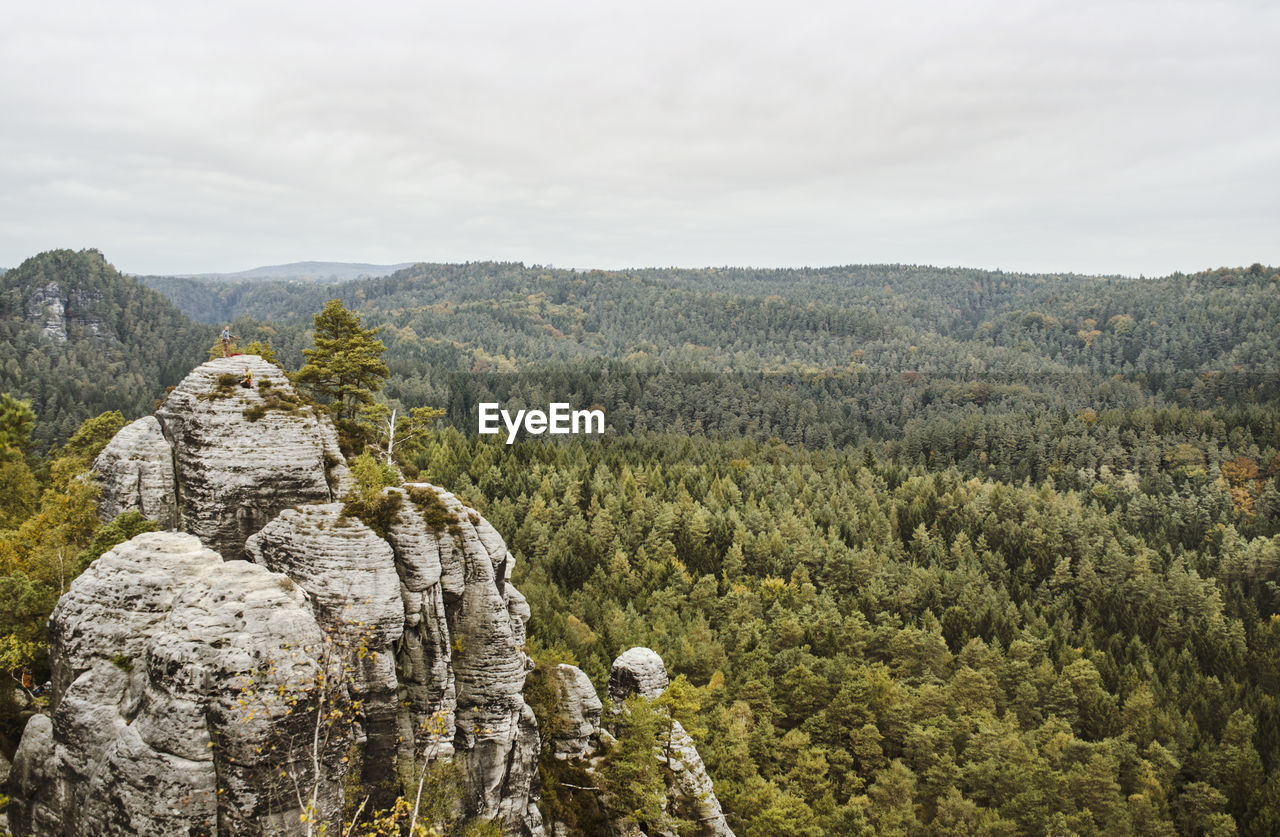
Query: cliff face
x,y
219,460
190,688
153,647
243,455
53,308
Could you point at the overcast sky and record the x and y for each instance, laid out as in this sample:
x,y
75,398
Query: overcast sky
x,y
1108,137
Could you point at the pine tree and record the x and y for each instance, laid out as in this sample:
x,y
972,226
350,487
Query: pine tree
x,y
345,367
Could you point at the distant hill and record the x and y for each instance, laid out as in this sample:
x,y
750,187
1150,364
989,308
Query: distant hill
x,y
78,338
306,272
886,318
810,355
280,292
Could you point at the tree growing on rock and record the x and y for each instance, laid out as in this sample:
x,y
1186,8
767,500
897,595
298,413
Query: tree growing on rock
x,y
345,369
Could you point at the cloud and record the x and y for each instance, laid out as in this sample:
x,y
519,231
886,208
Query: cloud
x,y
1117,137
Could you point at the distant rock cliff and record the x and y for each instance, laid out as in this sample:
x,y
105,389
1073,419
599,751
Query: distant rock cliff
x,y
188,682
53,309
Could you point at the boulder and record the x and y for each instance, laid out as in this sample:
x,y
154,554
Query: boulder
x,y
637,671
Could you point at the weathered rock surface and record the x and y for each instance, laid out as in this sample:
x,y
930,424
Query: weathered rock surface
x,y
135,470
689,786
637,671
220,460
578,716
443,631
349,572
467,671
424,658
36,805
580,740
349,575
243,455
160,651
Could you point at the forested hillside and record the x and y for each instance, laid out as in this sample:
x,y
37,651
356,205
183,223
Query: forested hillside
x,y
886,318
1007,376
77,338
881,650
940,551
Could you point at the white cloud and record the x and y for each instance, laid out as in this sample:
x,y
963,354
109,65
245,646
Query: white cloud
x,y
1110,137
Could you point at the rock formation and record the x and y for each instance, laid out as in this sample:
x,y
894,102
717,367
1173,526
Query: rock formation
x,y
442,634
189,686
579,739
421,619
220,460
243,455
54,308
349,575
578,713
161,651
136,471
637,671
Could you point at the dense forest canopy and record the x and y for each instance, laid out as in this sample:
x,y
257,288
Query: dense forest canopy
x,y
1162,333
1009,376
941,551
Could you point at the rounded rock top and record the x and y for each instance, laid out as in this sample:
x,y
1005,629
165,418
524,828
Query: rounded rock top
x,y
637,671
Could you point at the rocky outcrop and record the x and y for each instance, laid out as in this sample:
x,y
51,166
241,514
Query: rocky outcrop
x,y
488,665
640,671
577,715
689,787
349,575
637,671
433,634
53,309
244,454
184,687
421,616
579,739
465,673
195,693
46,309
135,470
35,806
220,460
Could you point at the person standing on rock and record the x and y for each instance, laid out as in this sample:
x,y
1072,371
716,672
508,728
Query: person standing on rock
x,y
227,337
